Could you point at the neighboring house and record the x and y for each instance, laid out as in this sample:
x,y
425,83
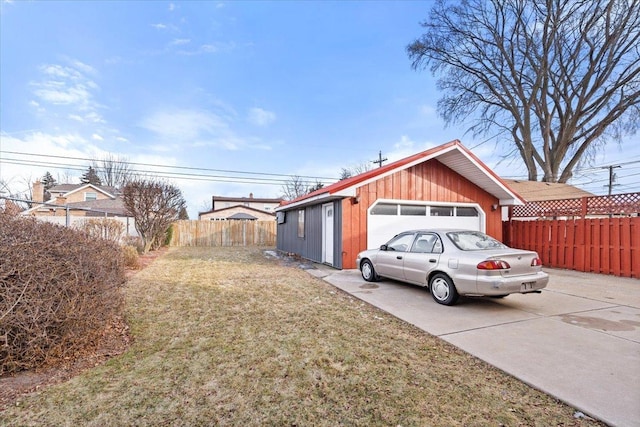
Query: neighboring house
x,y
446,186
537,191
237,213
70,203
243,208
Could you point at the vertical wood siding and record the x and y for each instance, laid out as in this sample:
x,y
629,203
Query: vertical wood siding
x,y
223,233
428,181
601,245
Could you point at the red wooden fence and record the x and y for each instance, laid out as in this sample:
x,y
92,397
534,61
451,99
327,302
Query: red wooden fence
x,y
600,245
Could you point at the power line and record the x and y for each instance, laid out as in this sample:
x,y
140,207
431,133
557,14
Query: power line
x,y
168,166
163,174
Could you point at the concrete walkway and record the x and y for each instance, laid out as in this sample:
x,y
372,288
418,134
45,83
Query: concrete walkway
x,y
578,341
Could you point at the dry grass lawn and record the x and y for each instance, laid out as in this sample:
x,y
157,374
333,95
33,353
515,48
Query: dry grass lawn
x,y
227,336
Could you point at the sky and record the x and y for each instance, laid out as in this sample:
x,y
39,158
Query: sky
x,y
229,98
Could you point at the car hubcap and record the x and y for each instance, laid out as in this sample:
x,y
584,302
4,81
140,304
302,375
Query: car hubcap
x,y
440,289
366,271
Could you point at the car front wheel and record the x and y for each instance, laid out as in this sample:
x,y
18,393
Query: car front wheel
x,y
442,289
368,272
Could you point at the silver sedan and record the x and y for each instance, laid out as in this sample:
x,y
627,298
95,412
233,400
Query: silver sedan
x,y
453,263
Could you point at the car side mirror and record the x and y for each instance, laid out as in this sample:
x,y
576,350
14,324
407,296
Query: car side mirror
x,y
383,247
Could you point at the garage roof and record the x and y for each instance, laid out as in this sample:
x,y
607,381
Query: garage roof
x,y
452,154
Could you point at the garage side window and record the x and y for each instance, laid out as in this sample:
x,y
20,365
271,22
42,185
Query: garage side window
x,y
301,223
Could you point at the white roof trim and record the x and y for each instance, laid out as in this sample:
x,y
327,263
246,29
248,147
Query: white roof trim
x,y
304,202
504,194
87,186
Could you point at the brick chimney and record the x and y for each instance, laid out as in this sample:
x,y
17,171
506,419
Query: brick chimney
x,y
61,200
38,192
251,195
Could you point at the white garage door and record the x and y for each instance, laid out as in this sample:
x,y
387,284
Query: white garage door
x,y
386,218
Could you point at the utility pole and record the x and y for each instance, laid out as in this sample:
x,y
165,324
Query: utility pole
x,y
380,159
612,176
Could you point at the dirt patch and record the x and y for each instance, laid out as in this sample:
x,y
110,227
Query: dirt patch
x,y
114,341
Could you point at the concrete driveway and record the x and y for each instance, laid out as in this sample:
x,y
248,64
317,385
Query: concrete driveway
x,y
578,341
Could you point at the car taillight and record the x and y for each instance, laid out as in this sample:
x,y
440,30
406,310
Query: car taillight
x,y
536,262
493,264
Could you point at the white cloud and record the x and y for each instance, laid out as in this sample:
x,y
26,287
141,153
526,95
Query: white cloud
x,y
97,137
68,86
172,7
261,117
85,68
178,42
427,110
60,149
209,48
184,125
406,147
197,128
159,26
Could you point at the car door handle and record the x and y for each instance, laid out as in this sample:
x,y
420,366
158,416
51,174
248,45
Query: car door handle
x,y
433,260
399,257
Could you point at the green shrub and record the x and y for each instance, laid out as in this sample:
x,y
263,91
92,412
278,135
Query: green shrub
x,y
59,290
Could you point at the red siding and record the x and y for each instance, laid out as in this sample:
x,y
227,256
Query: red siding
x,y
600,245
429,181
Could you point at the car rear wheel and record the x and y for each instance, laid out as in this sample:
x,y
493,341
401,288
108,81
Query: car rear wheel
x,y
368,272
442,289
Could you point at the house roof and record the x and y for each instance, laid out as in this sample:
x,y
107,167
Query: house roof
x,y
110,206
242,215
535,191
452,154
67,189
245,199
236,207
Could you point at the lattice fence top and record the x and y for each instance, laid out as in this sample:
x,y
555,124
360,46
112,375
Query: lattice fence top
x,y
618,204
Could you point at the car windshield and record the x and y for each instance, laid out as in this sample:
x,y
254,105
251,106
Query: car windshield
x,y
474,241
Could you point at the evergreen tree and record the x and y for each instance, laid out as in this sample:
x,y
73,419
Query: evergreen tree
x,y
90,177
49,181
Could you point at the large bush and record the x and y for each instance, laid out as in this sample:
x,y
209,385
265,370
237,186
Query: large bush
x,y
59,289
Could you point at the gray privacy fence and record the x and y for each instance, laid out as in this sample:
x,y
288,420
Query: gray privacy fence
x,y
223,233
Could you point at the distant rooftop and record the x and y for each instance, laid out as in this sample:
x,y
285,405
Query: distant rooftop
x,y
535,191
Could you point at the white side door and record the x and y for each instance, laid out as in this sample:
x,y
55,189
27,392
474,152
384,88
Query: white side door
x,y
327,233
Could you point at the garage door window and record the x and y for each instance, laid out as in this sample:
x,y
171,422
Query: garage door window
x,y
466,211
441,210
413,210
385,209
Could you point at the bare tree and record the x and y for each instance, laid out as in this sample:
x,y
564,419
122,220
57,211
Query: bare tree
x,y
154,205
559,78
294,188
65,177
113,171
348,172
